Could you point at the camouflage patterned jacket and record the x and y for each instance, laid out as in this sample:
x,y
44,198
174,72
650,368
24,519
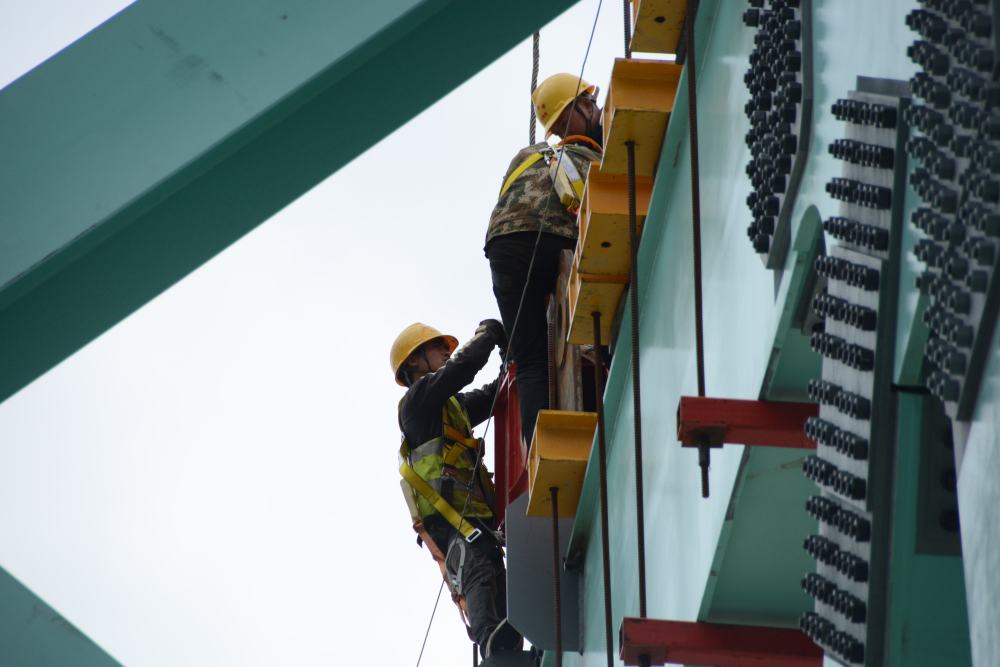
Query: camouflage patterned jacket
x,y
531,200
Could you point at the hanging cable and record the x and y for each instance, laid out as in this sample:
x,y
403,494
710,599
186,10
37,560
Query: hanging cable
x,y
704,457
427,632
534,84
602,468
513,333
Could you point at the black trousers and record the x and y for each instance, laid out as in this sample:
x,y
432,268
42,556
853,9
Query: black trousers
x,y
483,576
510,256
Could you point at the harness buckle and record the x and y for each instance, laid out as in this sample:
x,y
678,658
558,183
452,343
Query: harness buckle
x,y
473,536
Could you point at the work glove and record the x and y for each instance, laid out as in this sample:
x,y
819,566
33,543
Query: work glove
x,y
494,329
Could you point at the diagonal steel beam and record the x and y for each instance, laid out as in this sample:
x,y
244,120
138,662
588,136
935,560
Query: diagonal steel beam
x,y
155,141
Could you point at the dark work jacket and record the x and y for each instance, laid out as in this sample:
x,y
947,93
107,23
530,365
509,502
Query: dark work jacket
x,y
420,409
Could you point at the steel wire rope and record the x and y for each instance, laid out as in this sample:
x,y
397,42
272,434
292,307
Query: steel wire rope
x,y
513,330
535,38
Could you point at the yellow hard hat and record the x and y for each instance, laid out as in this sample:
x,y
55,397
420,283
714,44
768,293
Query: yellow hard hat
x,y
408,340
555,94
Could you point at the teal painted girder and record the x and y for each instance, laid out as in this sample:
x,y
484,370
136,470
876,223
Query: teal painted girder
x,y
32,633
155,141
927,622
978,499
686,536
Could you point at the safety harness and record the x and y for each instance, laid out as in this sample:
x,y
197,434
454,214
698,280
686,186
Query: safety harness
x,y
451,455
566,178
455,449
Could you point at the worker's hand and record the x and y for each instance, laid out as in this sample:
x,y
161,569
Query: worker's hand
x,y
494,329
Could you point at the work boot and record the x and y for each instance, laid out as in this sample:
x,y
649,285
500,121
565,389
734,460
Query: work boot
x,y
504,638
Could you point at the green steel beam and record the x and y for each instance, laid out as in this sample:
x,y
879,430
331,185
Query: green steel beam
x,y
928,623
759,560
32,633
793,362
152,143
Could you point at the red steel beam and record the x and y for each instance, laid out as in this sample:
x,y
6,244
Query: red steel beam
x,y
714,421
716,645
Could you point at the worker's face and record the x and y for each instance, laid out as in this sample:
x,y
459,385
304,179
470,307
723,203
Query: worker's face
x,y
579,118
430,356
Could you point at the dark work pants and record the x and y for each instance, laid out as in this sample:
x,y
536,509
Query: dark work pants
x,y
484,578
510,255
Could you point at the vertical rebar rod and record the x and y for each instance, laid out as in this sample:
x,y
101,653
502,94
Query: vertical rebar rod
x,y
556,567
704,455
627,12
602,453
695,194
633,230
551,366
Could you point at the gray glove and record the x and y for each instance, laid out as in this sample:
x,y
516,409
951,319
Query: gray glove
x,y
494,329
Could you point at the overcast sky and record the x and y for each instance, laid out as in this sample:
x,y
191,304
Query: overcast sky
x,y
213,481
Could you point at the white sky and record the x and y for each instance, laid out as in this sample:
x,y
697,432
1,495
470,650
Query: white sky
x,y
213,481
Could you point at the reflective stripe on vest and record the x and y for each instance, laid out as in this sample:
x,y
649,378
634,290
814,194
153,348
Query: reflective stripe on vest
x,y
566,178
440,471
518,170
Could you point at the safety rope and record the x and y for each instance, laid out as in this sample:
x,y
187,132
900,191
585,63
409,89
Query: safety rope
x,y
534,84
517,318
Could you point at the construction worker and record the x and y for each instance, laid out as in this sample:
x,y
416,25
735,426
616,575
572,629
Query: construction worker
x,y
448,489
530,201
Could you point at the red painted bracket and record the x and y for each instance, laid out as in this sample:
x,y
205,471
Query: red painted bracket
x,y
714,421
678,642
510,452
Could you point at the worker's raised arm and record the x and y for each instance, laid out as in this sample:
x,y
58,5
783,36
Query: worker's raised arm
x,y
437,387
479,402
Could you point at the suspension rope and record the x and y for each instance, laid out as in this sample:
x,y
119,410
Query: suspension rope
x,y
427,632
602,468
534,84
513,331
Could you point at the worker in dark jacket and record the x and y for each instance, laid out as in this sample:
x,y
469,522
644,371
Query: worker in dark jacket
x,y
530,201
449,490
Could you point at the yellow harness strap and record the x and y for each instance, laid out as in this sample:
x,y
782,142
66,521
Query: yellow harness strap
x,y
468,531
454,434
520,169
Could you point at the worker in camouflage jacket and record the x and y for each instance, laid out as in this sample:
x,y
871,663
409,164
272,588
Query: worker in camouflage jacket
x,y
530,203
447,486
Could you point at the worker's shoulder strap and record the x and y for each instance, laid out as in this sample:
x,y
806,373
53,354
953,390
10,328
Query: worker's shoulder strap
x,y
523,167
456,423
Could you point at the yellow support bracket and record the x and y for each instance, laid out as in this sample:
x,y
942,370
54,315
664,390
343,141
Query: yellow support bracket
x,y
657,25
558,458
640,99
603,245
590,292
